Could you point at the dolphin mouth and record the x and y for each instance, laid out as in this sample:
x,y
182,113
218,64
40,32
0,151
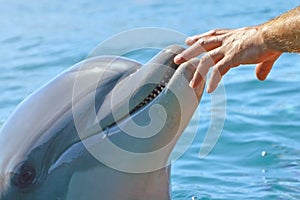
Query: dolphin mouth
x,y
133,94
143,86
159,70
157,90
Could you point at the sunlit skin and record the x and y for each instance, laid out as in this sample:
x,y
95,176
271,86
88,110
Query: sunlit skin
x,y
229,48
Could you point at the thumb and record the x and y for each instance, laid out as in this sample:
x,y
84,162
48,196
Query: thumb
x,y
263,69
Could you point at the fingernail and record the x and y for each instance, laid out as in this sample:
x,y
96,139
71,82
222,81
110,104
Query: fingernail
x,y
177,58
189,40
208,90
192,83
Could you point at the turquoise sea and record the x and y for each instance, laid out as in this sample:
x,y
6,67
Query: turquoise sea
x,y
258,153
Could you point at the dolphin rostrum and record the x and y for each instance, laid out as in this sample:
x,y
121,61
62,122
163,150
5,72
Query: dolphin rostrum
x,y
103,129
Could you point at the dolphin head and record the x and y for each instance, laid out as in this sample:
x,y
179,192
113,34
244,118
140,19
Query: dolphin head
x,y
103,129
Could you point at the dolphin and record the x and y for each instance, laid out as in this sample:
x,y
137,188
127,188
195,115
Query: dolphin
x,y
103,129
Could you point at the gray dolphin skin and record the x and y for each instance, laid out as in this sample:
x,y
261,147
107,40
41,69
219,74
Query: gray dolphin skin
x,y
103,129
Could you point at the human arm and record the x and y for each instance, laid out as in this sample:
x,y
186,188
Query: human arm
x,y
260,45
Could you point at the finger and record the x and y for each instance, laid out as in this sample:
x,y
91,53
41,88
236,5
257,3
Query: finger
x,y
192,39
198,48
263,69
218,71
208,60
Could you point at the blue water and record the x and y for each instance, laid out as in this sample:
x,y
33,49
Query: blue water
x,y
258,153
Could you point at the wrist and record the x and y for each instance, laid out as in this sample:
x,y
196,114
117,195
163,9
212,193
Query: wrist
x,y
269,39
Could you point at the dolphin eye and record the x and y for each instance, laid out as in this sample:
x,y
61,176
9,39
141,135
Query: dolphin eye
x,y
25,177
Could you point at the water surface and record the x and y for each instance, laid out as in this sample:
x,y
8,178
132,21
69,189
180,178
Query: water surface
x,y
258,153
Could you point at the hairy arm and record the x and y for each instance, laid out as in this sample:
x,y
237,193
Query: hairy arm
x,y
228,48
283,33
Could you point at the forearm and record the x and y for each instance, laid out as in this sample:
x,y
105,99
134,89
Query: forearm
x,y
283,33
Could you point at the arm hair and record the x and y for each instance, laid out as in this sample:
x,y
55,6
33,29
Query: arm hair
x,y
283,32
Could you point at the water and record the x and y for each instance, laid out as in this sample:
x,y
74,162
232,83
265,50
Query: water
x,y
258,153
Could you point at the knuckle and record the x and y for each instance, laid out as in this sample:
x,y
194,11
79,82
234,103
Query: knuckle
x,y
213,31
200,72
232,61
215,71
213,53
205,59
201,42
207,56
223,69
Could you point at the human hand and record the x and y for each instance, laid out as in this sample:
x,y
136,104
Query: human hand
x,y
227,49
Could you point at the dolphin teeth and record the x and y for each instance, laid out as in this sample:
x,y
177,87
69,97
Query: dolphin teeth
x,y
156,91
